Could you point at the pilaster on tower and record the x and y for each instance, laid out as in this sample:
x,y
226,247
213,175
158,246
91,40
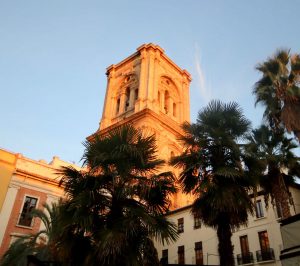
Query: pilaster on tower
x,y
148,90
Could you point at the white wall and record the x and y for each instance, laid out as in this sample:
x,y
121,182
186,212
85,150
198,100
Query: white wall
x,y
208,236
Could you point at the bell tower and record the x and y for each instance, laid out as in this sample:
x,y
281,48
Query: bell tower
x,y
151,92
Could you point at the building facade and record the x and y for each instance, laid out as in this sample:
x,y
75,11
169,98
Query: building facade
x,y
30,184
151,92
260,242
7,167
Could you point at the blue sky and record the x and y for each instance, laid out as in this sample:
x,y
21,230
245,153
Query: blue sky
x,y
53,56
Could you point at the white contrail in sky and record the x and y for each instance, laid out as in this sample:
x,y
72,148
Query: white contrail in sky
x,y
205,91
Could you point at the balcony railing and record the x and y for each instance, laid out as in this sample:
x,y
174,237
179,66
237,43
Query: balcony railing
x,y
264,255
25,219
245,258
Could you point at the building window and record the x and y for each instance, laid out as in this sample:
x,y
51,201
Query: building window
x,y
127,98
164,258
197,221
244,245
174,109
25,216
264,241
180,227
118,107
246,256
181,259
279,210
136,94
259,209
265,253
172,155
166,101
199,253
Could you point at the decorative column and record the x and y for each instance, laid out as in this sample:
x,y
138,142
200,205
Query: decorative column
x,y
109,103
150,81
143,79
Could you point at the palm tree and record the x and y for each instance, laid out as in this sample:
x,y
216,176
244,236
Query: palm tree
x,y
274,150
278,90
41,245
119,200
213,171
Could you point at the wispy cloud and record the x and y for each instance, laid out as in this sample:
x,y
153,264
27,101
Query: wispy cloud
x,y
205,91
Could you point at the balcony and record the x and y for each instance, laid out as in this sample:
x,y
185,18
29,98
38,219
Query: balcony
x,y
265,255
246,258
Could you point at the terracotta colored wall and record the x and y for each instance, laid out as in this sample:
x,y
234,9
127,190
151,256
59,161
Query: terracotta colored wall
x,y
12,227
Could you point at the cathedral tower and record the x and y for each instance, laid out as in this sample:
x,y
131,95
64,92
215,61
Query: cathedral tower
x,y
150,91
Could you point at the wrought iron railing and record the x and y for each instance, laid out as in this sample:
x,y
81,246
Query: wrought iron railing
x,y
245,258
265,254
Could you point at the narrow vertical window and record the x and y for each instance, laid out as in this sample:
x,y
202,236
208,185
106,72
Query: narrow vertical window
x,y
265,253
181,259
245,257
165,257
199,253
197,221
259,209
136,94
264,240
118,107
166,101
172,154
180,226
25,216
174,109
127,98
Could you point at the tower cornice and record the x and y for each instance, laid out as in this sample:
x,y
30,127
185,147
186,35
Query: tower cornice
x,y
148,47
164,120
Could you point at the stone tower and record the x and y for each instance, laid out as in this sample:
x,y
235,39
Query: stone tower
x,y
150,91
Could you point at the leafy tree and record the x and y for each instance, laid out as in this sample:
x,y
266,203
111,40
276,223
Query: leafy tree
x,y
119,200
214,173
278,90
280,165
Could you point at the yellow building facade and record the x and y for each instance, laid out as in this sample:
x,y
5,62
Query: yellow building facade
x,y
25,184
7,167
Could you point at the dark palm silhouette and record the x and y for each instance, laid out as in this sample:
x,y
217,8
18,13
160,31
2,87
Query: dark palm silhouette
x,y
213,171
278,90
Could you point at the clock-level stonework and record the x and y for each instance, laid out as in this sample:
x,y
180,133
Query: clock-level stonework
x,y
148,90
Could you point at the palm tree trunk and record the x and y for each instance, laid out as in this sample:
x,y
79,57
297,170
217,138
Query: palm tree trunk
x,y
225,247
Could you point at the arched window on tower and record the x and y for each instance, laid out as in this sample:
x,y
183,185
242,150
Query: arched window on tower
x,y
166,102
127,99
174,110
172,154
118,107
158,99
